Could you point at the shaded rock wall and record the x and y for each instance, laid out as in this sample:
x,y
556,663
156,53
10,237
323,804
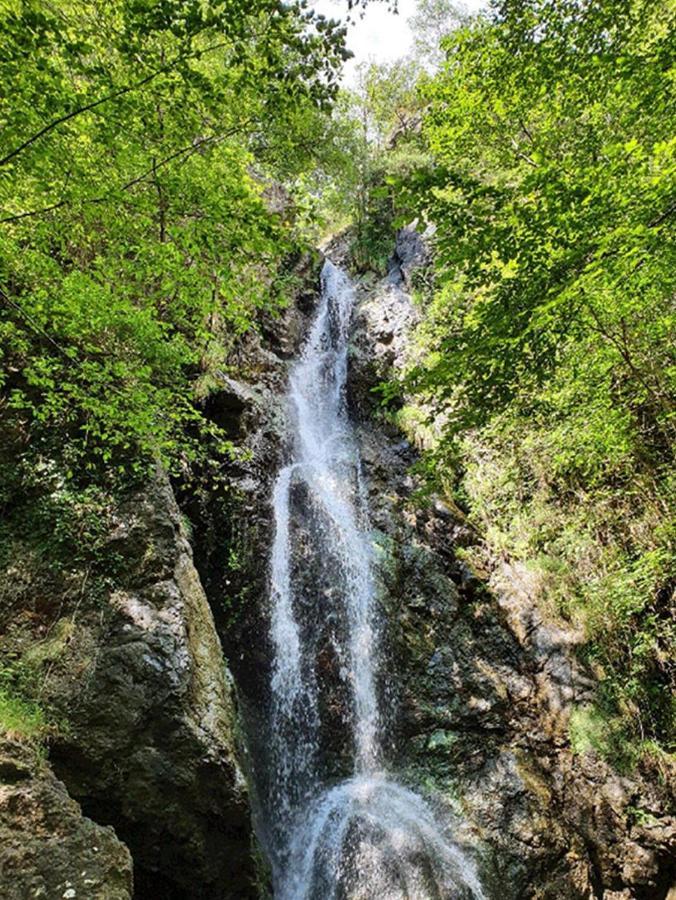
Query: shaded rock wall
x,y
150,745
232,522
48,849
133,664
132,667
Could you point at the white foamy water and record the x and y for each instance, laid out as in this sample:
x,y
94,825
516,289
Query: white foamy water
x,y
366,837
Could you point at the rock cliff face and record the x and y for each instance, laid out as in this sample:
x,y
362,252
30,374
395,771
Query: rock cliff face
x,y
482,685
136,671
134,667
150,748
232,523
485,685
47,847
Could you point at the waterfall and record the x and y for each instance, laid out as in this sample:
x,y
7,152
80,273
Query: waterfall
x,y
362,837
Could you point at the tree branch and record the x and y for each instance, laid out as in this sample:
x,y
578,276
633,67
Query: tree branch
x,y
665,215
34,325
112,96
184,151
76,112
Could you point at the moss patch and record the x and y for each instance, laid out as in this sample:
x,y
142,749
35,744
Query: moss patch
x,y
20,718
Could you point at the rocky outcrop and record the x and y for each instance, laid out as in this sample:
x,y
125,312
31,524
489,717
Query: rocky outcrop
x,y
127,654
484,684
232,522
48,849
121,641
150,743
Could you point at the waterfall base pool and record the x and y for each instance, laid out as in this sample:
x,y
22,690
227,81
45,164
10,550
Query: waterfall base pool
x,y
369,838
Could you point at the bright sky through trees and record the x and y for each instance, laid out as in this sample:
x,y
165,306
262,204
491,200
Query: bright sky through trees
x,y
377,33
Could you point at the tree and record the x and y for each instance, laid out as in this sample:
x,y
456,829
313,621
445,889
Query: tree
x,y
135,241
548,367
433,21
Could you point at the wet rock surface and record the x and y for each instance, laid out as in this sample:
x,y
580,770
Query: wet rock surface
x,y
48,848
132,673
484,685
232,523
134,665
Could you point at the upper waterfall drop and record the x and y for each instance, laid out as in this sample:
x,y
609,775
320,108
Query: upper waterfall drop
x,y
364,837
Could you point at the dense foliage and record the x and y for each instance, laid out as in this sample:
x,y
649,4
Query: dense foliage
x,y
163,160
375,125
548,337
137,139
152,156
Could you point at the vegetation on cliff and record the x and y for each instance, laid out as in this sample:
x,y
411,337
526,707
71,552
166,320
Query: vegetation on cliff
x,y
138,141
542,152
162,163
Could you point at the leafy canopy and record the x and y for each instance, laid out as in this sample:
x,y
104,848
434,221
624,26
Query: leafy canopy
x,y
547,346
135,238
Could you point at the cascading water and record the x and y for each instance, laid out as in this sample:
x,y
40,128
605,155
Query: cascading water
x,y
364,837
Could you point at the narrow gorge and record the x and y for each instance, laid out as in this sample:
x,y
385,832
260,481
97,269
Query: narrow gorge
x,y
366,833
337,492
465,694
403,729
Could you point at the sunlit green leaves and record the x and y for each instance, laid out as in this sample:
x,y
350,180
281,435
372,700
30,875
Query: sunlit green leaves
x,y
136,241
